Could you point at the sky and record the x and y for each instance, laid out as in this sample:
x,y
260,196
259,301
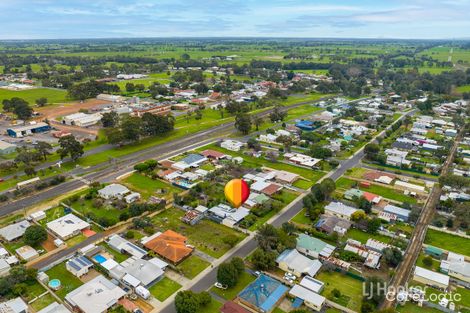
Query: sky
x,y
49,19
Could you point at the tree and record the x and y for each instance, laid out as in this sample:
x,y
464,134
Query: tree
x,y
131,128
263,260
319,152
34,235
371,151
187,302
29,170
41,101
44,148
392,256
364,204
243,123
277,115
286,141
130,87
110,119
258,121
427,261
238,264
267,237
23,111
227,274
70,146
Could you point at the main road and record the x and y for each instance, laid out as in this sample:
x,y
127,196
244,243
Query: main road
x,y
206,281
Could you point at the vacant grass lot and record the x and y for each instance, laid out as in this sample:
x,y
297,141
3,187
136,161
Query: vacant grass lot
x,y
361,236
85,207
68,280
207,236
385,192
30,95
164,288
351,289
192,266
414,308
447,242
231,293
147,186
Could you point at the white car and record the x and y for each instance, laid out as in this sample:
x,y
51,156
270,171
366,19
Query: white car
x,y
220,286
290,276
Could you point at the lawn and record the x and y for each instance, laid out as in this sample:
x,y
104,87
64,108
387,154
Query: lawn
x,y
33,289
213,307
192,266
207,236
447,242
350,288
30,95
361,236
68,280
346,183
465,88
147,186
410,307
231,293
42,302
435,263
75,240
286,196
302,184
300,218
86,207
164,288
117,256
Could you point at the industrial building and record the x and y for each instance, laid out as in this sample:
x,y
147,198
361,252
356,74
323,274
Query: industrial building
x,y
27,130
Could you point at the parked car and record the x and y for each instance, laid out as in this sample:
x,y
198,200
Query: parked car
x,y
257,273
220,286
290,276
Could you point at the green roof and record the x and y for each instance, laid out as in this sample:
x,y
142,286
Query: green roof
x,y
310,243
433,250
261,198
351,193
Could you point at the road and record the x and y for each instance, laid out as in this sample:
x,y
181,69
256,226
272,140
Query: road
x,y
405,268
206,282
108,171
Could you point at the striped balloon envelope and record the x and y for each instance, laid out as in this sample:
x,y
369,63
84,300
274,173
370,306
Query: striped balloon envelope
x,y
237,192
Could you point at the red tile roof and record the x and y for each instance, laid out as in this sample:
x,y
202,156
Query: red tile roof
x,y
271,189
212,154
170,245
369,196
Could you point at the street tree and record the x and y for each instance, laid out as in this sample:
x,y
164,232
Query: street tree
x,y
243,123
71,147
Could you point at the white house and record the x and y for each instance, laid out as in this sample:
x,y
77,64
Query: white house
x,y
14,231
431,278
310,298
96,296
340,210
113,191
293,262
55,307
232,145
16,305
67,226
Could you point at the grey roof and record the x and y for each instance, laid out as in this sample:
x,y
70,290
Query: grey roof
x,y
145,271
120,244
396,210
307,295
193,158
14,231
16,305
299,263
462,268
113,190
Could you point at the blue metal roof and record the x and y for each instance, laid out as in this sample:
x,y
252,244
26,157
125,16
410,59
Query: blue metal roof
x,y
264,292
192,158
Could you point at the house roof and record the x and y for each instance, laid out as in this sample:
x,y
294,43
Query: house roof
x,y
170,245
311,283
14,231
396,210
114,190
212,154
79,262
55,308
193,158
315,245
232,307
16,305
307,295
299,263
263,293
67,225
340,208
271,189
433,276
95,296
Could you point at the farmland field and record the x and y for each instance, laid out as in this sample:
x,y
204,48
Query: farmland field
x,y
30,95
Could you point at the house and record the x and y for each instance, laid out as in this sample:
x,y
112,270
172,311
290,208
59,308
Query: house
x,y
433,251
4,267
293,262
135,272
16,305
171,246
96,296
6,147
122,245
311,299
331,224
78,266
255,199
37,216
371,257
14,231
353,193
409,186
456,267
340,210
227,215
431,278
232,307
263,294
376,245
285,177
301,159
192,217
55,307
26,130
213,154
110,98
313,247
193,160
401,213
232,145
113,191
67,226
27,253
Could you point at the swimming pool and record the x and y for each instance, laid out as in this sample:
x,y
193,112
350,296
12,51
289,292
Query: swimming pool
x,y
99,258
54,284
